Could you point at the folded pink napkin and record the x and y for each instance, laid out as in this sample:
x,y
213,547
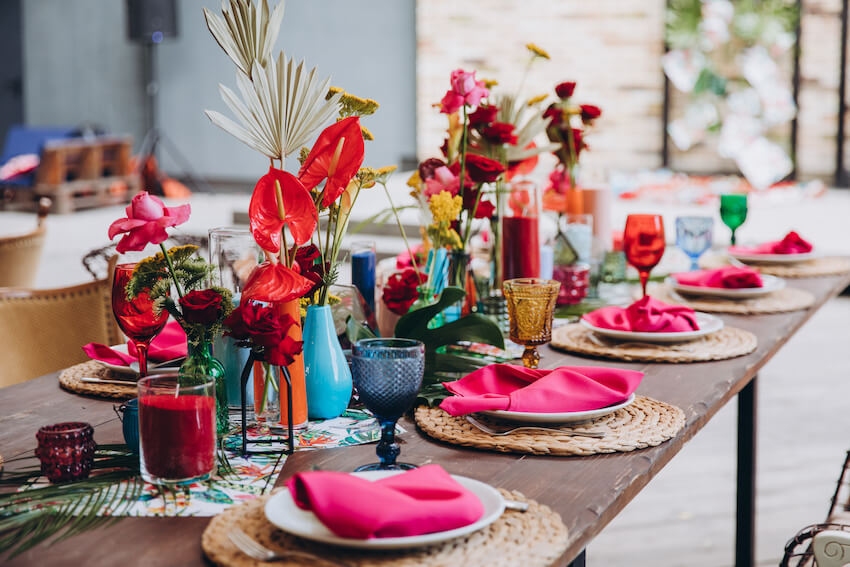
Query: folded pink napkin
x,y
515,388
730,277
793,243
167,345
646,315
421,501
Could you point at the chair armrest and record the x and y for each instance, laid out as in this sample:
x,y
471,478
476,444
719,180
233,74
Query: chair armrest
x,y
831,548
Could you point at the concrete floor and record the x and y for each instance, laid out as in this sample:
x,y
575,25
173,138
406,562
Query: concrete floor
x,y
686,515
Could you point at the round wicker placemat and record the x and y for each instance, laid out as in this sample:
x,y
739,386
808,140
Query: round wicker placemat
x,y
535,538
69,379
826,266
728,342
644,423
780,301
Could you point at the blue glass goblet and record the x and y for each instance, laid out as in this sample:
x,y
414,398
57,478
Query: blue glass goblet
x,y
694,237
388,374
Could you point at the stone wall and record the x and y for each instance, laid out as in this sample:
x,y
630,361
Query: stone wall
x,y
612,48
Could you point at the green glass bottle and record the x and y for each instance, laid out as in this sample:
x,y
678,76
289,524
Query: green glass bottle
x,y
200,362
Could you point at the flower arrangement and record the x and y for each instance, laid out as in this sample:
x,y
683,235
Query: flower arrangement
x,y
264,331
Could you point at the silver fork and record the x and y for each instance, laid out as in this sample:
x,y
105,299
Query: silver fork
x,y
499,432
255,550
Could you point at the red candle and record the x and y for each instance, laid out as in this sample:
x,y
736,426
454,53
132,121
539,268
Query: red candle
x,y
520,248
177,435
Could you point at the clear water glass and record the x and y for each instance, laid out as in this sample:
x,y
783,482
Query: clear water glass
x,y
388,375
694,237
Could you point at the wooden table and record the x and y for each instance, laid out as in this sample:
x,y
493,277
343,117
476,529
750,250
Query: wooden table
x,y
588,492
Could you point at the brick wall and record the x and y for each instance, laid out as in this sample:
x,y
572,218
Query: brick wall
x,y
612,48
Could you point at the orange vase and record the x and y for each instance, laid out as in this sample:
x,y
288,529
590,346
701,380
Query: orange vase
x,y
296,371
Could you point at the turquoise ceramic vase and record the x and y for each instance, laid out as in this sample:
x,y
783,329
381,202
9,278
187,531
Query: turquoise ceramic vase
x,y
327,373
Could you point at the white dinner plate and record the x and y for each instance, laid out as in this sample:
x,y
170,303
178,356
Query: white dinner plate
x,y
168,365
282,511
773,258
769,285
558,418
707,324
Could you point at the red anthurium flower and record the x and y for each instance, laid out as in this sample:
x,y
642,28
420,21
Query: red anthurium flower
x,y
336,155
270,210
275,282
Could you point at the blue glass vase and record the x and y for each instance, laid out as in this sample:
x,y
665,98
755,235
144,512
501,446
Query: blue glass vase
x,y
327,373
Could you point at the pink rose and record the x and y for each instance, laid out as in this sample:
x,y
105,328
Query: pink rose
x,y
443,180
147,219
465,90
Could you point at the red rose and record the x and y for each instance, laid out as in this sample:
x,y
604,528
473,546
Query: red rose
x,y
285,353
305,264
485,114
251,321
589,113
307,254
554,113
201,307
427,167
482,169
565,89
485,210
500,133
400,290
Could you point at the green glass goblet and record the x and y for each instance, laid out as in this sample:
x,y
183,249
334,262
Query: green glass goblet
x,y
733,211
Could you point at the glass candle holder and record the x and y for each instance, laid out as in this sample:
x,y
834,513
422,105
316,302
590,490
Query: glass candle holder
x,y
520,232
66,451
531,306
363,263
575,281
177,429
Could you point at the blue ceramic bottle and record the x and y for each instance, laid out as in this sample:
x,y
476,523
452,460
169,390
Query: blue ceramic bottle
x,y
327,373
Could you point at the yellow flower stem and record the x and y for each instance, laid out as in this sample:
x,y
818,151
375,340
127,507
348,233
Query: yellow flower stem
x,y
401,229
171,269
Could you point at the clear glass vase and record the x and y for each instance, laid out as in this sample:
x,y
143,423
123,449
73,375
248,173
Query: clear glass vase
x,y
266,393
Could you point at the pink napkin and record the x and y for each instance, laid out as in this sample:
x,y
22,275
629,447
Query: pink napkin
x,y
420,501
647,315
793,243
730,277
168,345
514,388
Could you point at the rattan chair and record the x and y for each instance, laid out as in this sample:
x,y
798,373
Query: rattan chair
x,y
42,330
20,255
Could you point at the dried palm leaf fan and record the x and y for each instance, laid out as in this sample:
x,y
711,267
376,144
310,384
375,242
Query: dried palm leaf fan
x,y
244,32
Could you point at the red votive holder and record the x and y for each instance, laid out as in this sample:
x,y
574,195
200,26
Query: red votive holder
x,y
177,436
66,451
575,280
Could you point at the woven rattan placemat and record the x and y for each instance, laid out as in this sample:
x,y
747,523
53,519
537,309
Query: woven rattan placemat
x,y
728,342
644,423
535,538
826,266
69,379
781,301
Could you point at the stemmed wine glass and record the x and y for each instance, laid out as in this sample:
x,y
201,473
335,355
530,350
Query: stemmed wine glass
x,y
643,243
388,374
733,211
693,236
136,318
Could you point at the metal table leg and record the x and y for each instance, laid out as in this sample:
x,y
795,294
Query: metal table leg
x,y
745,525
580,560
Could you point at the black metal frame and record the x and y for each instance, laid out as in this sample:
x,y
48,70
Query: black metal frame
x,y
290,428
841,177
745,510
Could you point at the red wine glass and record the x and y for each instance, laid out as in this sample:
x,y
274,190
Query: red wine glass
x,y
136,318
643,243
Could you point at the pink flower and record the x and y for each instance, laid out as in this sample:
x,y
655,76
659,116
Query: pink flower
x,y
443,180
560,180
147,219
465,91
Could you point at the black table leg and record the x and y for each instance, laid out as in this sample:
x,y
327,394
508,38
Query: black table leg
x,y
745,526
580,560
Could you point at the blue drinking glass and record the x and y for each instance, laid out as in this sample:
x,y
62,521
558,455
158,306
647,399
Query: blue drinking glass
x,y
388,374
694,237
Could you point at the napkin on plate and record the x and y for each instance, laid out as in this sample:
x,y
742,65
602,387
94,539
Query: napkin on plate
x,y
167,345
420,501
515,388
729,277
793,243
646,315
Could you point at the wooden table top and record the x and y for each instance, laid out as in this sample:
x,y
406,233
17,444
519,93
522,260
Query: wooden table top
x,y
588,492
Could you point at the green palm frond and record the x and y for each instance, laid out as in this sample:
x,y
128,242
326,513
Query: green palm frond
x,y
280,108
246,32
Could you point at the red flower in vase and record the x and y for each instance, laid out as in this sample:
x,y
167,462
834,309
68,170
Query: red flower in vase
x,y
589,113
265,328
565,90
201,307
271,209
147,219
305,264
500,133
485,114
275,282
429,166
482,169
465,90
400,290
485,208
336,156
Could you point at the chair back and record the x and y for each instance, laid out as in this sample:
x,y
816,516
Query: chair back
x,y
43,330
20,254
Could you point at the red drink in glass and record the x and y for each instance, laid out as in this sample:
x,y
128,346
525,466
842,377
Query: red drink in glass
x,y
136,317
643,243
